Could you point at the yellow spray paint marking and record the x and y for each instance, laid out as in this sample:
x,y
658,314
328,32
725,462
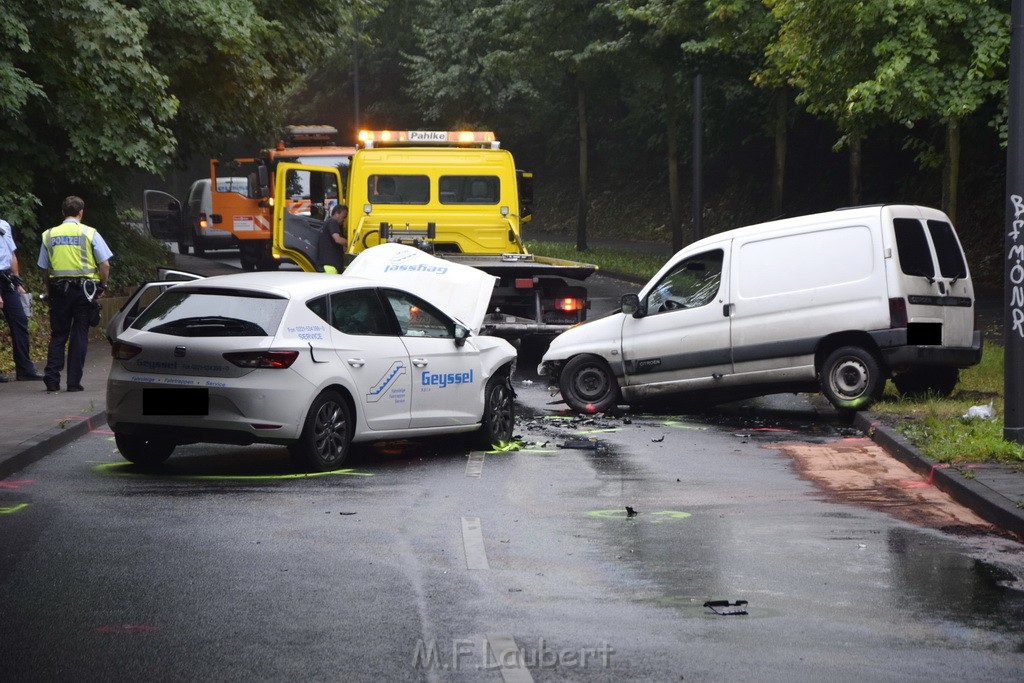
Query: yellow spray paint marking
x,y
652,517
12,510
682,425
123,469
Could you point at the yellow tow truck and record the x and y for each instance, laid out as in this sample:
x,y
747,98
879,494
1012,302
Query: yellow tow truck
x,y
458,196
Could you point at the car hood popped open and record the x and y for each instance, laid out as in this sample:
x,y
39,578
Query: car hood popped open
x,y
460,291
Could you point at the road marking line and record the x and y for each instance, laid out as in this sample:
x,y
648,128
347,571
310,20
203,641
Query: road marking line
x,y
475,465
473,542
508,657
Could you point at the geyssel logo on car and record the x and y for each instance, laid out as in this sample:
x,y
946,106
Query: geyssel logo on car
x,y
445,379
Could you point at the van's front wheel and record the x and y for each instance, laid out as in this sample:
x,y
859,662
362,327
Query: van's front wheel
x,y
851,378
588,385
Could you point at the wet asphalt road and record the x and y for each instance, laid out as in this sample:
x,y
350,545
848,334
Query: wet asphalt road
x,y
422,561
230,565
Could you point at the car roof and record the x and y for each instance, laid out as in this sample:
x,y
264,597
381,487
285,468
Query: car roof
x,y
290,284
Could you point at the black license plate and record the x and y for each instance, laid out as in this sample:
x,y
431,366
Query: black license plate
x,y
177,401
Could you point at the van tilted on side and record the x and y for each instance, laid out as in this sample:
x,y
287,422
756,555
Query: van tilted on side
x,y
836,302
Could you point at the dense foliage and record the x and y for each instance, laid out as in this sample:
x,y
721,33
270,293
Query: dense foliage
x,y
808,104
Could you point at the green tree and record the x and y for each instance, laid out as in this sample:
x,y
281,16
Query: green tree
x,y
80,101
476,58
928,61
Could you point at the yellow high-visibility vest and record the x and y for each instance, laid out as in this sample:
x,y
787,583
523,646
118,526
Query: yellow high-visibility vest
x,y
69,247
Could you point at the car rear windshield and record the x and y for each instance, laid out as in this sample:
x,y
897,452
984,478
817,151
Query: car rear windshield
x,y
209,312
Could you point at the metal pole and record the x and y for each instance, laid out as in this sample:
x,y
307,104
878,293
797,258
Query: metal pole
x,y
698,154
1013,372
355,85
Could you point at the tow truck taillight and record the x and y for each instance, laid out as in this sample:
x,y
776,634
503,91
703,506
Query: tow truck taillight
x,y
524,283
122,351
568,305
262,359
897,313
203,222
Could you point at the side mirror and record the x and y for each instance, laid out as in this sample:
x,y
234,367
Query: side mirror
x,y
461,335
631,306
262,181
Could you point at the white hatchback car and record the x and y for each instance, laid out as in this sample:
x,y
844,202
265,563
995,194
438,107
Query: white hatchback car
x,y
313,361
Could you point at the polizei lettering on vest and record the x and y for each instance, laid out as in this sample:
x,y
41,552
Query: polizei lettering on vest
x,y
443,379
66,240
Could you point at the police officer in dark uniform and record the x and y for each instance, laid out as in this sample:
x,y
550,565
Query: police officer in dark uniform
x,y
77,263
11,291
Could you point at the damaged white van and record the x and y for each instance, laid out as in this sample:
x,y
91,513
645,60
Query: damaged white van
x,y
836,302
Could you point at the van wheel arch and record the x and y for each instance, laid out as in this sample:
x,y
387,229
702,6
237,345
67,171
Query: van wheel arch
x,y
588,384
852,376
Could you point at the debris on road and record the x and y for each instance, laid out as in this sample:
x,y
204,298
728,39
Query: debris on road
x,y
726,608
980,412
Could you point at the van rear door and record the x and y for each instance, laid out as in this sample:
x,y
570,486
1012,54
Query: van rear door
x,y
934,280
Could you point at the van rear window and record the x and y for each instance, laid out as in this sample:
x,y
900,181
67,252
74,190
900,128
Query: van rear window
x,y
912,246
947,248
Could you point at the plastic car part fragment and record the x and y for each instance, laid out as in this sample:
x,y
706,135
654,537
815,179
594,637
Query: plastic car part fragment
x,y
726,608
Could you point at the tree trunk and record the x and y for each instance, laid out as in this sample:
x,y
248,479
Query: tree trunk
x,y
855,170
951,170
672,144
781,143
581,114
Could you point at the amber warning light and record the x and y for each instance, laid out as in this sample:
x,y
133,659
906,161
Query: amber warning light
x,y
568,305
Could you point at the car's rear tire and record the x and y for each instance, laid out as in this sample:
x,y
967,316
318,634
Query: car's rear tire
x,y
326,437
588,385
851,378
499,417
142,451
920,380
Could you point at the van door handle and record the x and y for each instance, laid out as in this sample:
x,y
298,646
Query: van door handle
x,y
942,287
216,218
727,309
420,362
356,362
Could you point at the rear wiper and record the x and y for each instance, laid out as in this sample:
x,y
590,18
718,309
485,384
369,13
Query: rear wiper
x,y
199,326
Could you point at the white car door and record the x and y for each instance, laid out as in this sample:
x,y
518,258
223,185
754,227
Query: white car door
x,y
447,379
377,360
685,334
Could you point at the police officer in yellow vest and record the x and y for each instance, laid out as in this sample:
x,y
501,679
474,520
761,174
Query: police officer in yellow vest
x,y
77,263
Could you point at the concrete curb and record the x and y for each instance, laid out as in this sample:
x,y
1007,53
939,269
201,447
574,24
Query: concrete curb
x,y
988,504
38,447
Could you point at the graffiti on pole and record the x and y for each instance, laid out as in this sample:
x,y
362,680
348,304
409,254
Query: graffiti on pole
x,y
1016,254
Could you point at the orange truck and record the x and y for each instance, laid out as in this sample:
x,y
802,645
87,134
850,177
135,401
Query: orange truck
x,y
247,213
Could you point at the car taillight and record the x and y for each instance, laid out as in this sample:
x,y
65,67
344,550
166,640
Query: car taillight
x,y
203,223
524,283
897,313
568,305
122,351
262,359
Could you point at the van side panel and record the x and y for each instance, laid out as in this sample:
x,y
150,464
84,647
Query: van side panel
x,y
793,288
